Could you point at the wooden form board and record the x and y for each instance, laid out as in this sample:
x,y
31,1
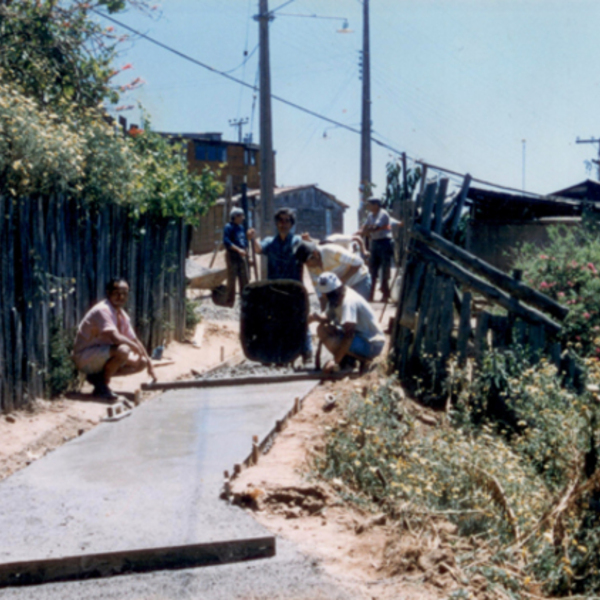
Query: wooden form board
x,y
91,566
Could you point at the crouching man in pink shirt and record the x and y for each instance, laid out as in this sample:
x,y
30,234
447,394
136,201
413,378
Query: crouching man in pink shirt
x,y
106,345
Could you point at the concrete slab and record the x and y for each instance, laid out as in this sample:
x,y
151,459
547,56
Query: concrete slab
x,y
148,481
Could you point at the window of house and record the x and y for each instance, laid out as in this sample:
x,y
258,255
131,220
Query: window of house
x,y
250,157
210,152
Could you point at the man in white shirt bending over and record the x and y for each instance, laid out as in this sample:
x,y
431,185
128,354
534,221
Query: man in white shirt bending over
x,y
349,267
348,327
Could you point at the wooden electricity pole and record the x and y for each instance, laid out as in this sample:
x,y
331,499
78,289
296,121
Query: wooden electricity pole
x,y
365,143
267,171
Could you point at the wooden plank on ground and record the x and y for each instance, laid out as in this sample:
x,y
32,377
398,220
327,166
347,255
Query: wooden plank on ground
x,y
91,566
238,381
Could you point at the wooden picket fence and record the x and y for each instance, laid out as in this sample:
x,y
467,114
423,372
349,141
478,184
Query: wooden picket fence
x,y
439,313
56,256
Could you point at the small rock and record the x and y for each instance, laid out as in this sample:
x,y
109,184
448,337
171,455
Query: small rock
x,y
330,402
293,513
9,419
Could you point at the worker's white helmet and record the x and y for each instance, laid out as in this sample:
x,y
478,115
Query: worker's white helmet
x,y
328,282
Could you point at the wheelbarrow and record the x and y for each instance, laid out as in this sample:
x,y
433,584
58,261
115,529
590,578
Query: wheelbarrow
x,y
274,321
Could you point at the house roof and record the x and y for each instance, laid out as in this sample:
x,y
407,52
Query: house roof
x,y
282,191
586,190
501,206
215,138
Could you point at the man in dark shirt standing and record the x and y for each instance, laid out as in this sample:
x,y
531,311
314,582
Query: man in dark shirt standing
x,y
281,259
279,249
236,251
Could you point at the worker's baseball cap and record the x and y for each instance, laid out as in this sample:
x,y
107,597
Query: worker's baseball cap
x,y
235,212
328,282
374,199
304,250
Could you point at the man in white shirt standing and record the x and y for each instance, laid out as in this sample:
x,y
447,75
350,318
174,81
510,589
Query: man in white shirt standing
x,y
106,345
348,327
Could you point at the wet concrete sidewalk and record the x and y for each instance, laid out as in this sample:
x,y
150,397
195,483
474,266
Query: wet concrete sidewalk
x,y
149,480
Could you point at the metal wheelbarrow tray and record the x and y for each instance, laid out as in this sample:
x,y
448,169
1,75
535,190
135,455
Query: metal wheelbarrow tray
x,y
274,321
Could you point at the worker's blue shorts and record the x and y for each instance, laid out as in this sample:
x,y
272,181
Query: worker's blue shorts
x,y
363,348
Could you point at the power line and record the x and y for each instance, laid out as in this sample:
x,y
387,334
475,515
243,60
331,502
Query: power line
x,y
302,108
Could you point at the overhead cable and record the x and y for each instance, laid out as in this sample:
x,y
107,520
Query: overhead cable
x,y
304,109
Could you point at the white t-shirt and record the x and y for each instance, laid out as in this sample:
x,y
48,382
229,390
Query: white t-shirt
x,y
338,260
355,309
344,240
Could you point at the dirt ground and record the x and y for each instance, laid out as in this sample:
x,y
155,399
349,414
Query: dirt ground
x,y
360,549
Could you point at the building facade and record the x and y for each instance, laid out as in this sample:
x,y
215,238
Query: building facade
x,y
234,160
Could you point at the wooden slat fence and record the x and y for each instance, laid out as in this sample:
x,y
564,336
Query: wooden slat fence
x,y
56,255
437,316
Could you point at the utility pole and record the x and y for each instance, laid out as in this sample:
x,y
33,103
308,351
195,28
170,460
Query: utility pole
x,y
267,171
523,147
365,143
239,123
592,141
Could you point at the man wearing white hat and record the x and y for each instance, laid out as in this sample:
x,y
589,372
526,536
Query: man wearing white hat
x,y
348,327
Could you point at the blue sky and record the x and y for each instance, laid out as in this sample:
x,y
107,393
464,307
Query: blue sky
x,y
457,83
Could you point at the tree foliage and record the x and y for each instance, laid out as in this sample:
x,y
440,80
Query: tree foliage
x,y
55,136
396,188
53,52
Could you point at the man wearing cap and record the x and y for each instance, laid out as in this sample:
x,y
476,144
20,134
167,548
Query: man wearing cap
x,y
236,250
378,227
348,327
349,267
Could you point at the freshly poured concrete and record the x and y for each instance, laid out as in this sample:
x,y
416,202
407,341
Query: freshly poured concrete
x,y
149,480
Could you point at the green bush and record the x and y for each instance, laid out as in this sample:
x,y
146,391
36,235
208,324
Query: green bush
x,y
62,376
192,316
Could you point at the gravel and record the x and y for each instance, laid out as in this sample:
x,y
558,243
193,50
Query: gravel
x,y
248,368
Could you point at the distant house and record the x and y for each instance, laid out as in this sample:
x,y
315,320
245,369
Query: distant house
x,y
318,212
500,222
234,160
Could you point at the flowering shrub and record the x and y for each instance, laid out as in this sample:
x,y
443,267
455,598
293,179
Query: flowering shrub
x,y
568,271
42,153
